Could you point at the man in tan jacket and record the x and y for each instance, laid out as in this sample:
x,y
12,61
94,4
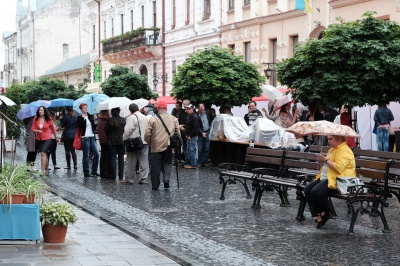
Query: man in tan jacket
x,y
157,137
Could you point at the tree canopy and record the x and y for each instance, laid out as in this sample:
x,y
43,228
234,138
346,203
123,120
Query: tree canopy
x,y
356,63
215,76
123,82
49,89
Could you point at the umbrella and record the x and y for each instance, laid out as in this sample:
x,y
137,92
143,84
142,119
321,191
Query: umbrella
x,y
92,100
271,92
141,102
6,101
114,102
30,110
61,102
282,101
322,127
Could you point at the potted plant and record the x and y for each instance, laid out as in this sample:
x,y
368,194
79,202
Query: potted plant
x,y
10,178
55,217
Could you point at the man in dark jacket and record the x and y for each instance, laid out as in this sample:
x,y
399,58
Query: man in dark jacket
x,y
192,129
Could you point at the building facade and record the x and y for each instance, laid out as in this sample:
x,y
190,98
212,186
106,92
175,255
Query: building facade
x,y
10,59
266,32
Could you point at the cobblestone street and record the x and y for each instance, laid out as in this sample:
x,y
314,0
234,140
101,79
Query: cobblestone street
x,y
193,227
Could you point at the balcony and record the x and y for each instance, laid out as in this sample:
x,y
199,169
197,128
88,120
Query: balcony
x,y
9,66
131,46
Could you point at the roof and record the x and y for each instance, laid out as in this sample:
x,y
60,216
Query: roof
x,y
7,34
73,63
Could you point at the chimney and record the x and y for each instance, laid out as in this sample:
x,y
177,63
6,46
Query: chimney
x,y
65,51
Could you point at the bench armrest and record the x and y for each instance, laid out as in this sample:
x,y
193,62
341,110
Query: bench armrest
x,y
368,193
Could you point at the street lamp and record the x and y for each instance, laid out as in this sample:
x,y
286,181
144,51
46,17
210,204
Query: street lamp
x,y
156,78
269,71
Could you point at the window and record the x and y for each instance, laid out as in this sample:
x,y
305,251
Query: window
x,y
207,9
155,74
173,15
187,21
173,67
142,16
295,41
232,47
231,4
112,27
247,52
105,74
273,47
104,30
131,19
246,2
122,23
94,37
154,14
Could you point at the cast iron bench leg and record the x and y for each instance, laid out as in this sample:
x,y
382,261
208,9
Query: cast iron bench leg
x,y
332,209
257,192
223,182
281,194
354,214
302,205
383,218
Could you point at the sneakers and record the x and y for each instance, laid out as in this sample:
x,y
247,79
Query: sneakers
x,y
189,167
166,184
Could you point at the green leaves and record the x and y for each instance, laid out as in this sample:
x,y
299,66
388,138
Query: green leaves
x,y
55,213
123,82
215,76
355,63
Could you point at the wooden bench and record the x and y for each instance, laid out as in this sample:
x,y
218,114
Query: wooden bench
x,y
300,168
394,172
230,173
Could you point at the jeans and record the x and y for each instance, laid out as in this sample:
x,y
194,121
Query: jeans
x,y
203,146
89,144
383,139
120,151
191,150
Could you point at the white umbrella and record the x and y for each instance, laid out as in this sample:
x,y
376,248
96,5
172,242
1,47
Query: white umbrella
x,y
282,101
115,102
271,92
141,102
7,101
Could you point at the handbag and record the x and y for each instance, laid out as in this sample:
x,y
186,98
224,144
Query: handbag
x,y
175,140
343,183
134,144
77,140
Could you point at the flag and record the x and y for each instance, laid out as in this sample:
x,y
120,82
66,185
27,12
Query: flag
x,y
303,5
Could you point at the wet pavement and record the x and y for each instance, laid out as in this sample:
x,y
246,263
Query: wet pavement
x,y
193,227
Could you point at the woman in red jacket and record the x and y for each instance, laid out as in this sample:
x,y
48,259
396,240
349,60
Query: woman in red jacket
x,y
41,126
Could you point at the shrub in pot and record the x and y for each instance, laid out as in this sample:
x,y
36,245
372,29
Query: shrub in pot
x,y
15,180
55,217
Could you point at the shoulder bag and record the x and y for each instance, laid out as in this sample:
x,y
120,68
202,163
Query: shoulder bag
x,y
134,144
78,139
175,140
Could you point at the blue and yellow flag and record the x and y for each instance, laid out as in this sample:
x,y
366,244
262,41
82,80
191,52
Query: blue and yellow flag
x,y
303,5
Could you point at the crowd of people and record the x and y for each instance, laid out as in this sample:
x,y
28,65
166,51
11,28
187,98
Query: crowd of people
x,y
153,125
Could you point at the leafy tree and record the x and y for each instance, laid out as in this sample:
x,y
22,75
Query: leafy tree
x,y
17,93
354,62
45,89
215,76
123,82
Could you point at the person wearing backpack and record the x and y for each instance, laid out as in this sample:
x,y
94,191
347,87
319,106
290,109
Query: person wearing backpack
x,y
157,135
